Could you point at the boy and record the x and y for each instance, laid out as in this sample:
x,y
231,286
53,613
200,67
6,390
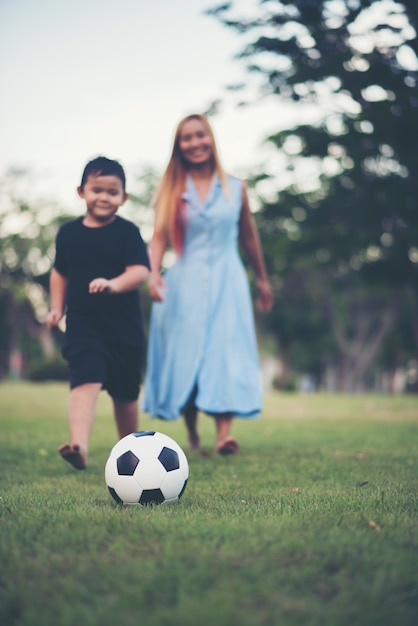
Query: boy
x,y
100,262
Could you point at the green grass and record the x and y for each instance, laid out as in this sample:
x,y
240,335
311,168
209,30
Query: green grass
x,y
314,522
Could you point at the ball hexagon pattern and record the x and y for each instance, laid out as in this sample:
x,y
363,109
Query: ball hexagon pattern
x,y
146,467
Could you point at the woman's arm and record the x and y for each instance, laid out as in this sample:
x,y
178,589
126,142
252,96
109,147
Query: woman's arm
x,y
156,249
250,243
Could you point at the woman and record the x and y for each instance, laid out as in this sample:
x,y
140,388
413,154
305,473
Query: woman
x,y
202,352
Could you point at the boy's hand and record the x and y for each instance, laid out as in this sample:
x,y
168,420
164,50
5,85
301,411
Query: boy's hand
x,y
99,285
130,280
53,318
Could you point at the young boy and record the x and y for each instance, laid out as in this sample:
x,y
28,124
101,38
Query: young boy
x,y
101,260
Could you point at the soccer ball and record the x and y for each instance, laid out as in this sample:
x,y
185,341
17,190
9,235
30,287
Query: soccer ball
x,y
146,468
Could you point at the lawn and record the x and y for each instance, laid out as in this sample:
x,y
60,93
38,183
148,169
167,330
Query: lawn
x,y
314,522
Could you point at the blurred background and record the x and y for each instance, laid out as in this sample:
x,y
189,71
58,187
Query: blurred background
x,y
314,102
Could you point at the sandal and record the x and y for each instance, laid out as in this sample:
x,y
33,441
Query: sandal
x,y
229,445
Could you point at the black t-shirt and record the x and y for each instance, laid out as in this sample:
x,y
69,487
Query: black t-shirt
x,y
84,253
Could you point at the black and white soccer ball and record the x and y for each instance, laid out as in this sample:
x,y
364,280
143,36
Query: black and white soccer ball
x,y
146,467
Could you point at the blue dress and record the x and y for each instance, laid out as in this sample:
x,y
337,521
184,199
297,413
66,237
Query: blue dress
x,y
203,332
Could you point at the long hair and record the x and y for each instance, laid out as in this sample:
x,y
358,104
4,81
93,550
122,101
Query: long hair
x,y
169,207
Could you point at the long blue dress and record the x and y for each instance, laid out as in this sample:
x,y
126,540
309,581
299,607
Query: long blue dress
x,y
203,332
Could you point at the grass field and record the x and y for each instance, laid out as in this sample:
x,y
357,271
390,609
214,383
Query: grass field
x,y
314,522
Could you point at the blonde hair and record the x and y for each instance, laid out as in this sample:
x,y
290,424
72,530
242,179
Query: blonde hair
x,y
173,184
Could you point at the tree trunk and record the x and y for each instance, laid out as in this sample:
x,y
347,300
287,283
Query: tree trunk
x,y
359,343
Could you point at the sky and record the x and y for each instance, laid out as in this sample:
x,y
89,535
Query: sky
x,y
86,77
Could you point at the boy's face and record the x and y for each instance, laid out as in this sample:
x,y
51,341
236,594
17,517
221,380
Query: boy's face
x,y
103,196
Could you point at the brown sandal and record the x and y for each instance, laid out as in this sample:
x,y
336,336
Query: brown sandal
x,y
229,445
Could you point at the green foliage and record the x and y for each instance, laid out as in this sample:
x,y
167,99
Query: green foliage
x,y
341,213
47,370
140,208
313,522
27,236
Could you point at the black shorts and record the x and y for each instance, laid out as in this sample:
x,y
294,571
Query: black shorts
x,y
118,367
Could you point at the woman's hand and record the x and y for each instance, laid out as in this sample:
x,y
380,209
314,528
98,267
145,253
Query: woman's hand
x,y
157,286
264,300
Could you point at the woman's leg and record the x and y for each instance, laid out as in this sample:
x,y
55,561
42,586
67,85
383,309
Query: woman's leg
x,y
190,418
225,444
190,415
223,426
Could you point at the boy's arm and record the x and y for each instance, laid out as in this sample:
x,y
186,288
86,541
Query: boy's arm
x,y
58,291
248,238
131,279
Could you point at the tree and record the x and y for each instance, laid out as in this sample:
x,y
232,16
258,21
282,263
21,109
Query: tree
x,y
27,233
351,229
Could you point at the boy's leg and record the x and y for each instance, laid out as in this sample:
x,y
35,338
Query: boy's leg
x,y
124,369
82,406
126,416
